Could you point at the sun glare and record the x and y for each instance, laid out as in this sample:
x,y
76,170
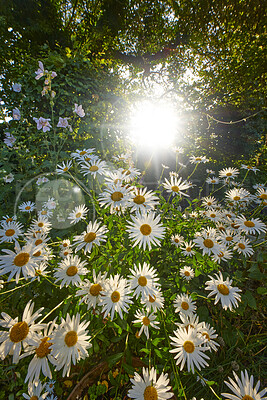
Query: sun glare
x,y
153,125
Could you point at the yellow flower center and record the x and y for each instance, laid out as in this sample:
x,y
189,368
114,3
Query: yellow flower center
x,y
150,393
176,240
208,243
44,212
37,254
263,196
71,338
27,208
126,172
247,397
65,244
9,219
249,224
93,168
186,273
229,174
44,348
223,289
38,241
65,169
41,224
78,215
116,196
95,289
188,249
38,272
21,259
34,398
19,332
207,336
145,229
209,203
241,246
184,305
82,153
151,299
142,281
236,198
115,297
212,215
89,237
229,238
146,321
175,189
221,254
139,199
72,270
198,158
189,346
10,232
235,226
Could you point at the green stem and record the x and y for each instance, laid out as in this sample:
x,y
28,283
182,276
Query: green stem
x,y
50,312
16,288
192,172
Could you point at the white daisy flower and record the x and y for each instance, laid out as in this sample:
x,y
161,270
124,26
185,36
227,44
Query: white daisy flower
x,y
229,173
224,255
19,334
209,202
187,248
41,351
146,229
249,168
90,292
93,167
20,261
243,246
187,273
207,243
93,235
250,226
223,291
40,271
213,215
178,150
177,240
114,177
129,174
213,180
122,157
78,214
143,281
176,186
81,154
64,244
38,238
209,333
238,195
227,237
51,203
7,219
70,343
44,213
10,231
115,196
65,252
243,388
64,167
189,320
69,271
184,304
155,302
27,206
50,386
41,224
197,160
149,387
115,297
261,196
189,347
142,200
146,320
34,391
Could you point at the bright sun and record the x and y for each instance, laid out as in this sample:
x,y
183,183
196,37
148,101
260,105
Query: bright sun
x,y
153,125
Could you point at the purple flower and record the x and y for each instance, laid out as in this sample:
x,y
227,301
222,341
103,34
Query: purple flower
x,y
16,114
16,87
43,123
79,110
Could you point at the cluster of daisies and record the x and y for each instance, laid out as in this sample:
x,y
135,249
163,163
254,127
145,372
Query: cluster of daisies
x,y
64,344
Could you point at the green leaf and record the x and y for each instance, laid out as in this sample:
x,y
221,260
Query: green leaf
x,y
262,290
251,300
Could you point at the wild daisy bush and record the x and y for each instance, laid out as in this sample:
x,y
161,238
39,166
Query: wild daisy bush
x,y
112,290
